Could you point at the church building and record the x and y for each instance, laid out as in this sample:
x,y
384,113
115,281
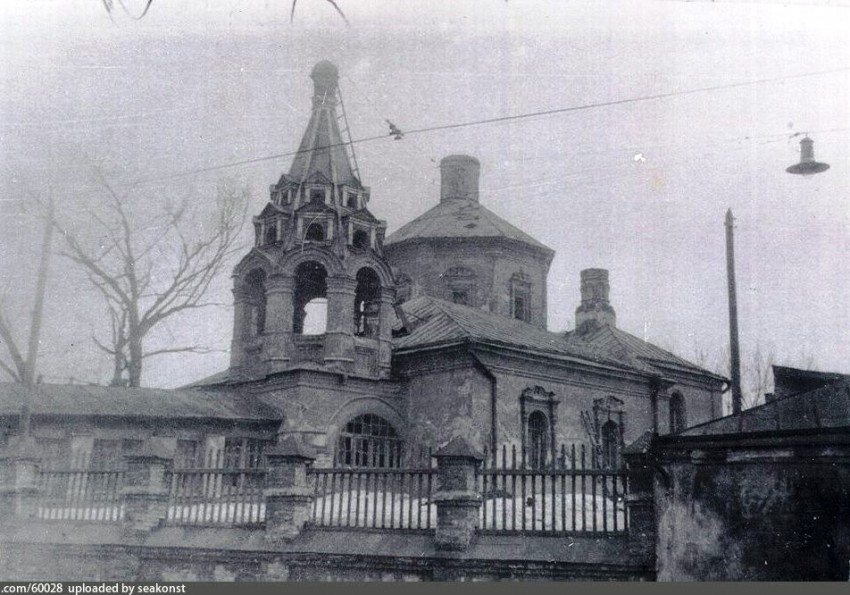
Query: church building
x,y
372,348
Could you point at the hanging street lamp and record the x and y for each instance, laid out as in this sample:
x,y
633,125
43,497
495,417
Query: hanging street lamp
x,y
807,166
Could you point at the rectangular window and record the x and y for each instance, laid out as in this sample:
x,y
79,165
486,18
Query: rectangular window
x,y
460,297
317,195
243,453
187,454
521,309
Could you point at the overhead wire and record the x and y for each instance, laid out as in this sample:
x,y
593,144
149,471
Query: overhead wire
x,y
501,119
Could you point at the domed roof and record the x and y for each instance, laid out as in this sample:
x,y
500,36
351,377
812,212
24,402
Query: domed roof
x,y
462,219
325,72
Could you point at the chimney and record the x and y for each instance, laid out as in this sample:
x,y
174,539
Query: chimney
x,y
459,178
594,311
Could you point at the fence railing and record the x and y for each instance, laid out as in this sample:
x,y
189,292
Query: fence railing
x,y
80,495
373,498
216,497
566,496
222,497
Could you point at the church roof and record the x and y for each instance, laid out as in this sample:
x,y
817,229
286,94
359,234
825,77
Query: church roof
x,y
462,219
622,346
437,322
91,400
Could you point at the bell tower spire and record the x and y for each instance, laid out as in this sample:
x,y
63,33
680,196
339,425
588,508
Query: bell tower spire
x,y
316,282
322,154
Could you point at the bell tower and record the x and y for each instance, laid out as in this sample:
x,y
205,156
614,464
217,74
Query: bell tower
x,y
315,291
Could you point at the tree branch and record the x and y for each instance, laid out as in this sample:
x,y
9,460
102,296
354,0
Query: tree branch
x,y
14,352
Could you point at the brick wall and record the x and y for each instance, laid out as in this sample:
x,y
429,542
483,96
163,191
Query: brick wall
x,y
313,559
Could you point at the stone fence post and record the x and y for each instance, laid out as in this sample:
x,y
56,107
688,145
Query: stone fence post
x,y
457,498
287,494
147,483
639,458
19,467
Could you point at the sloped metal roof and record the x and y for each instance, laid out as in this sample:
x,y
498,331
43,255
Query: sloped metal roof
x,y
826,407
623,346
85,400
462,219
438,322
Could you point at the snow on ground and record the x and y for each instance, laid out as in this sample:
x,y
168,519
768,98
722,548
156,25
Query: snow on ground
x,y
559,512
366,508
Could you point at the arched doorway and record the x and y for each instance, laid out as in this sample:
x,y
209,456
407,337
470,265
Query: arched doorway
x,y
309,316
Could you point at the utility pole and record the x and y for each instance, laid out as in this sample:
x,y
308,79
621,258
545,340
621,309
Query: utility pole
x,y
734,348
35,326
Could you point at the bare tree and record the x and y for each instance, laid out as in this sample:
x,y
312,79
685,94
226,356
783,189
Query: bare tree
x,y
756,368
21,367
139,13
15,366
757,375
152,266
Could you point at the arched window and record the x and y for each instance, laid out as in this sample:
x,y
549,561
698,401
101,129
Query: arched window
x,y
315,233
360,239
309,315
271,233
538,439
368,441
367,304
255,284
678,419
460,285
611,445
520,297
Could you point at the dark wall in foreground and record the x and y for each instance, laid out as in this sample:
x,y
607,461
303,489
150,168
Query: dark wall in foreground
x,y
773,507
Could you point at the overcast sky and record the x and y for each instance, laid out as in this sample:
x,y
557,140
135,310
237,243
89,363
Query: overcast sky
x,y
639,188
